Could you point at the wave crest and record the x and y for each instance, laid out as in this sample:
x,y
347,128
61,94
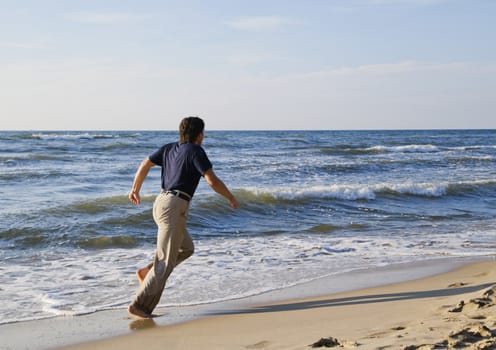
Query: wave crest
x,y
369,192
413,148
76,136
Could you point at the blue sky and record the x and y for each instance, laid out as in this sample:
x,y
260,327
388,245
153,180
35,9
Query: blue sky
x,y
248,65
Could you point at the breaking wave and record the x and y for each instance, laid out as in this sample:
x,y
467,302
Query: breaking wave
x,y
371,191
412,148
70,136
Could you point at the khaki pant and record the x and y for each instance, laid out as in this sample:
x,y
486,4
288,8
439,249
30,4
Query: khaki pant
x,y
174,245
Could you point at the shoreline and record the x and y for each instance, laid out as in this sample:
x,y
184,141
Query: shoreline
x,y
59,332
455,309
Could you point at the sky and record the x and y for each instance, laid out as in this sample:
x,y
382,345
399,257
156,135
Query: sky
x,y
247,65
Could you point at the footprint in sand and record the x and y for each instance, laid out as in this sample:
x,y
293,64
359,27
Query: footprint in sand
x,y
481,274
260,345
457,285
458,308
332,342
478,317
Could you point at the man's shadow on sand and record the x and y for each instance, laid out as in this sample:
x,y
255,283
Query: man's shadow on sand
x,y
356,300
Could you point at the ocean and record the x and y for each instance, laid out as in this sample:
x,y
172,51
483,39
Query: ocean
x,y
312,204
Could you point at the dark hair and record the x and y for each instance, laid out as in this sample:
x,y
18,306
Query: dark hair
x,y
190,128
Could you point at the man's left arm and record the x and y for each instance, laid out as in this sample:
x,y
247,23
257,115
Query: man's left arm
x,y
218,186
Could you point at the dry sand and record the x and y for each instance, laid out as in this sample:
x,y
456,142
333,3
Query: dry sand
x,y
451,310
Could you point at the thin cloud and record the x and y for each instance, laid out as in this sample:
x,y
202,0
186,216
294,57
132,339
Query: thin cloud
x,y
407,66
395,68
22,45
406,2
259,23
248,59
387,70
351,6
104,18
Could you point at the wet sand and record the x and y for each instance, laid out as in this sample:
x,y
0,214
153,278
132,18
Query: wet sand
x,y
455,309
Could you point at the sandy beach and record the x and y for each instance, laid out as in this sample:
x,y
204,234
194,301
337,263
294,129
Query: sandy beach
x,y
455,309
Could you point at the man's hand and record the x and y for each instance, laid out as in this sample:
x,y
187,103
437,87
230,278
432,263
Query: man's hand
x,y
233,202
134,197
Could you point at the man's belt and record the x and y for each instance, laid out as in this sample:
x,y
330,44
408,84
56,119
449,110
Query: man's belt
x,y
179,194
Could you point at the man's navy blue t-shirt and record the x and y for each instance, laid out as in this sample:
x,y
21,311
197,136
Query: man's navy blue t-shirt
x,y
183,164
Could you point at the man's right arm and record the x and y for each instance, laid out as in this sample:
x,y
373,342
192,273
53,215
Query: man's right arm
x,y
140,176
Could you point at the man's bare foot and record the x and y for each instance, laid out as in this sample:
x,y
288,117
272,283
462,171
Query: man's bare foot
x,y
141,274
137,312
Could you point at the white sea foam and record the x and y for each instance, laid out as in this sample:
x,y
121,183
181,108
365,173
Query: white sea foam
x,y
427,148
359,191
421,189
79,282
474,147
405,149
348,192
76,136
